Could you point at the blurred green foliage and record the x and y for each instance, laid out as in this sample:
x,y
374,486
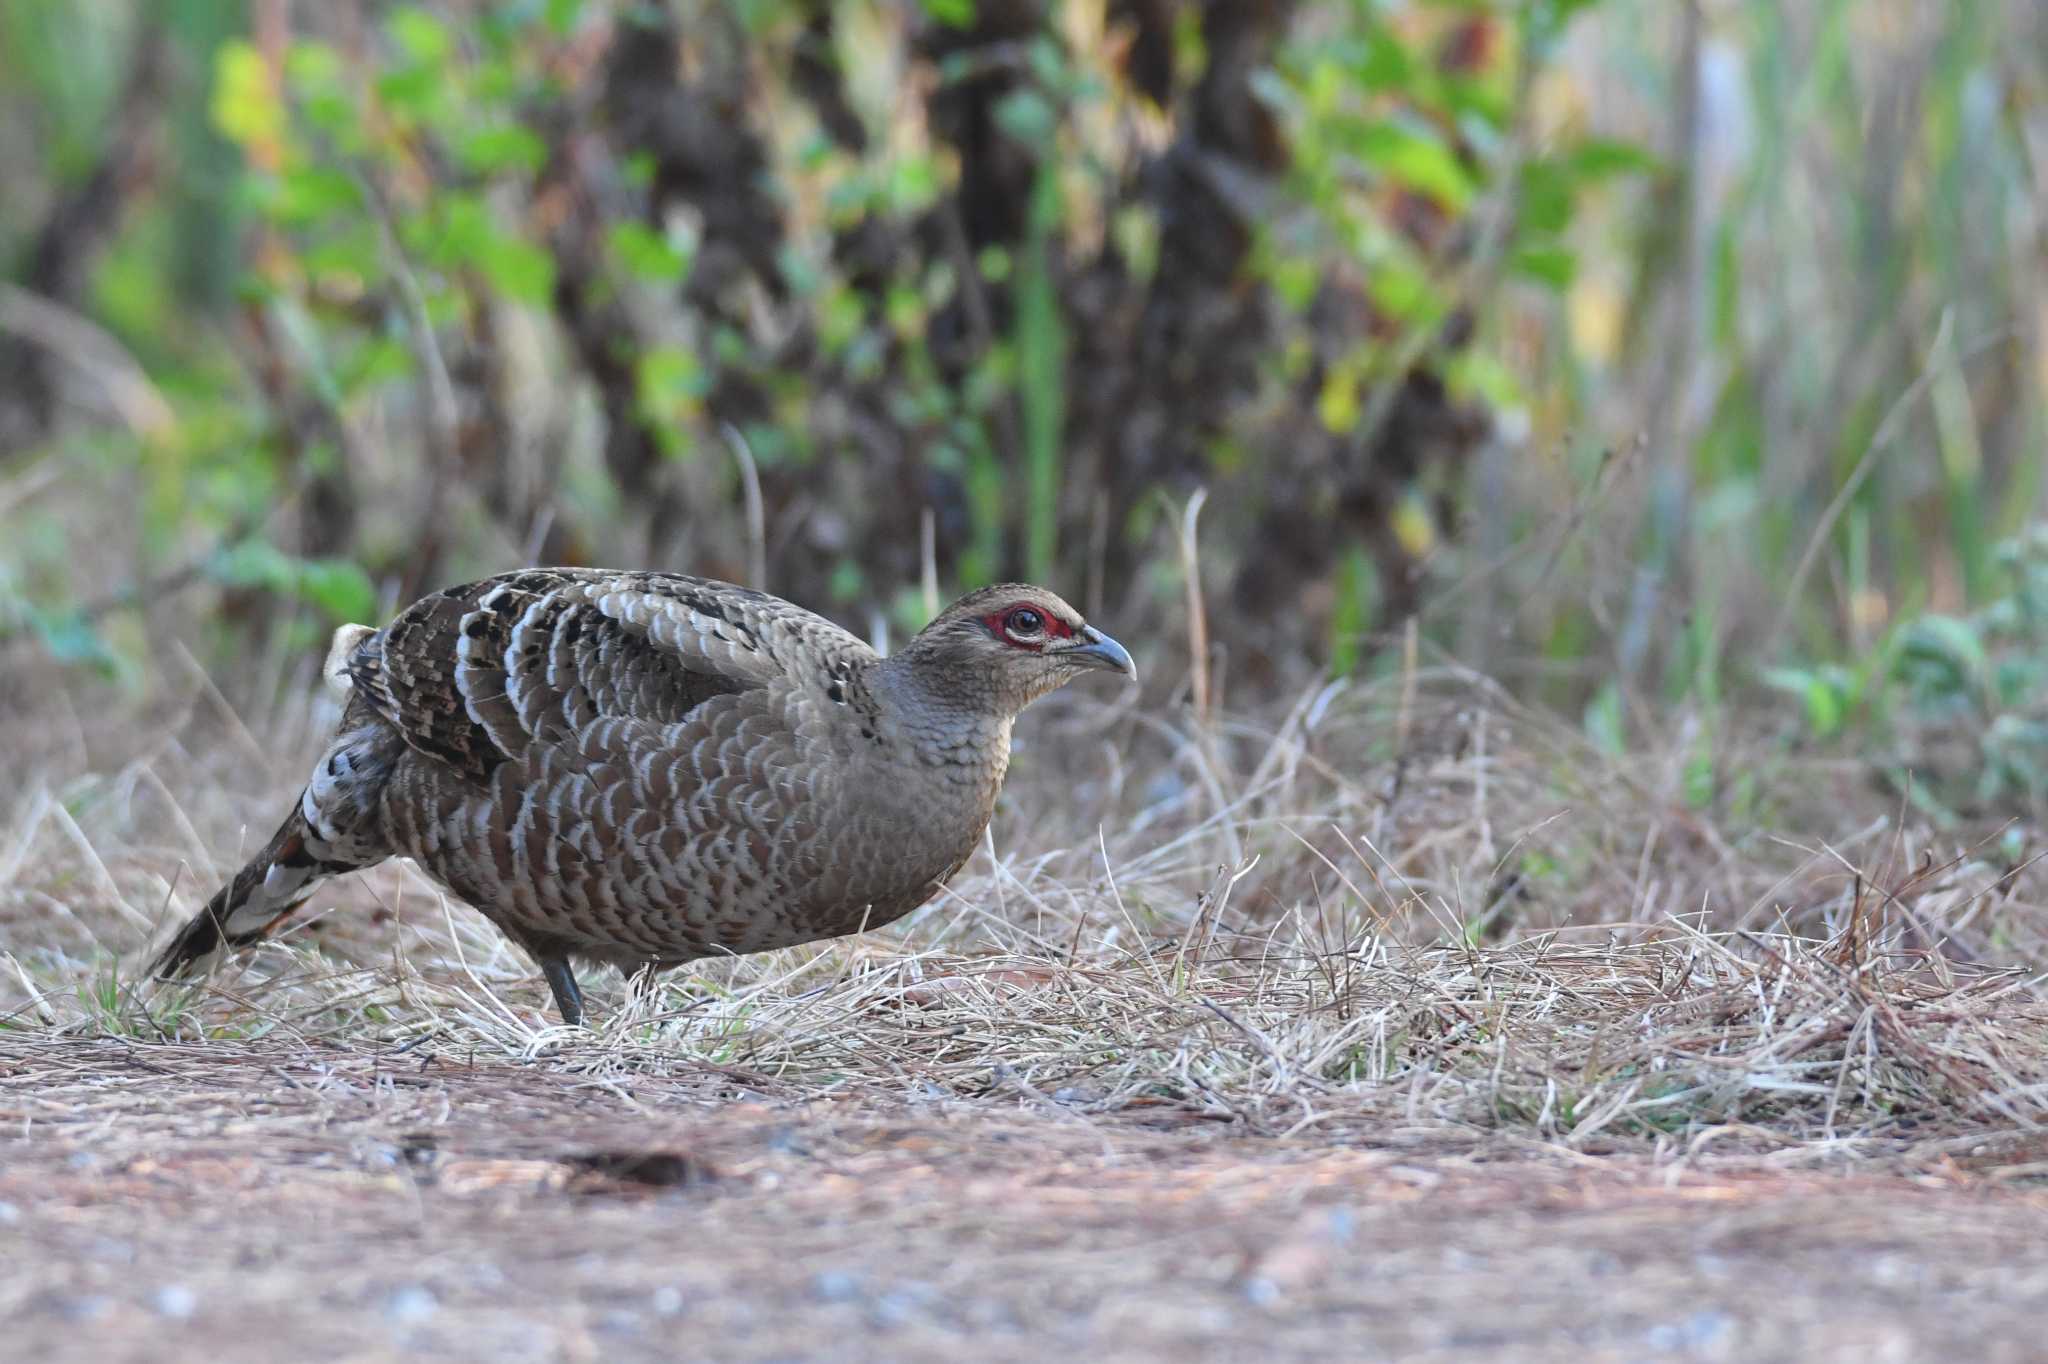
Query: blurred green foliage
x,y
1959,704
1746,298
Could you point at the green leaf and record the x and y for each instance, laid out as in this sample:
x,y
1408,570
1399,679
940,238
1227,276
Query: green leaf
x,y
353,256
647,254
339,588
317,78
1416,158
1698,780
1337,405
669,385
508,147
1027,116
1547,199
378,360
1827,699
314,194
913,185
254,563
459,233
1554,266
1402,291
311,66
414,93
952,13
421,36
1357,594
519,269
1295,279
1599,158
843,314
1479,372
1382,63
245,104
1603,720
71,638
1947,654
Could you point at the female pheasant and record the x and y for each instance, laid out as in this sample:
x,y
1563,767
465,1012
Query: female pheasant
x,y
644,768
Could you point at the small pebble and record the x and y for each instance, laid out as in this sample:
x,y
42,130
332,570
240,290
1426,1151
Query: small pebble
x,y
9,1214
1706,1330
410,1304
835,1285
1700,1331
175,1301
668,1300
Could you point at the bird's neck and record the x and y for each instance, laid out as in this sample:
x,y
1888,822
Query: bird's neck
x,y
944,718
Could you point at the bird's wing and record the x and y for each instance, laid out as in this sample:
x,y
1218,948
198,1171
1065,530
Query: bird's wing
x,y
477,674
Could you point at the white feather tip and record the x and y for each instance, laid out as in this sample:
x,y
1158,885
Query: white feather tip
x,y
346,640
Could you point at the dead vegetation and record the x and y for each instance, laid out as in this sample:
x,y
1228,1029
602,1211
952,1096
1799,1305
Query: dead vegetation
x,y
1404,925
1417,902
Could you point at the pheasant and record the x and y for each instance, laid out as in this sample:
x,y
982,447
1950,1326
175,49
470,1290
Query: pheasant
x,y
641,769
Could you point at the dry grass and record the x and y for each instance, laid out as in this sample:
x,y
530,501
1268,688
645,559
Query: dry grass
x,y
1413,903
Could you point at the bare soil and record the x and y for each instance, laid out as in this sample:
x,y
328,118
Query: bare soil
x,y
249,1202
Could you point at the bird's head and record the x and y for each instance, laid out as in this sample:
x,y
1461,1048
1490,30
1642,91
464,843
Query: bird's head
x,y
1006,646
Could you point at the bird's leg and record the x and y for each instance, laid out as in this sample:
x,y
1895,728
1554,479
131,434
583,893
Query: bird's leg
x,y
562,980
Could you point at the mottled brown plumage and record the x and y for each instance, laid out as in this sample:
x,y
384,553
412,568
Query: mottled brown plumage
x,y
644,768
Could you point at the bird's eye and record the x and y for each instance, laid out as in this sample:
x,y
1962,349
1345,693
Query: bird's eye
x,y
1024,623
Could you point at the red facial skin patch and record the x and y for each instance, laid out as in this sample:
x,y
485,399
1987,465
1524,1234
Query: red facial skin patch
x,y
1055,628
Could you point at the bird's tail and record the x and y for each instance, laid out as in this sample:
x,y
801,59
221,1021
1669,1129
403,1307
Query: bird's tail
x,y
260,897
268,891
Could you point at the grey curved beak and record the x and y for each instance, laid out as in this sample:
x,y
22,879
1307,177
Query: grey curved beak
x,y
1093,649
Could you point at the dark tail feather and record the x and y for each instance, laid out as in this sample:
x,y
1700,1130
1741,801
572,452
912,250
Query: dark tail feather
x,y
260,896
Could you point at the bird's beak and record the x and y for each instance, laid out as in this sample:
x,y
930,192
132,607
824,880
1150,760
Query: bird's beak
x,y
1093,649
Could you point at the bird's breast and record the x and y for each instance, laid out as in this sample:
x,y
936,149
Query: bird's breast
x,y
917,813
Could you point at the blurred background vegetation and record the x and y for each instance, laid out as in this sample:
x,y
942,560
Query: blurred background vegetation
x,y
1647,356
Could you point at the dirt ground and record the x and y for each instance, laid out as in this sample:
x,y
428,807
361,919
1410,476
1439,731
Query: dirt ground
x,y
1163,1076
236,1202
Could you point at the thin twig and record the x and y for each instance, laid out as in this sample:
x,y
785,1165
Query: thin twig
x,y
928,561
1198,619
750,487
